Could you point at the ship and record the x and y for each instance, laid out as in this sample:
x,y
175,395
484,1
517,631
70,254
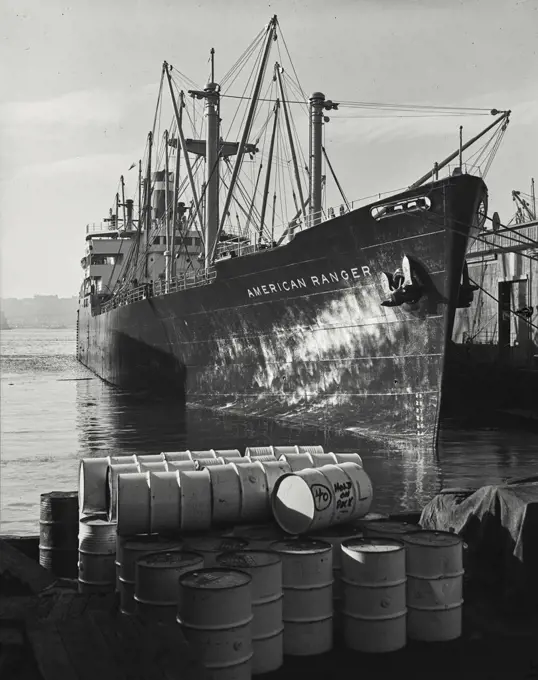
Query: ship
x,y
339,319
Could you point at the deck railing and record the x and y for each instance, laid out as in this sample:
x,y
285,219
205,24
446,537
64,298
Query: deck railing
x,y
193,279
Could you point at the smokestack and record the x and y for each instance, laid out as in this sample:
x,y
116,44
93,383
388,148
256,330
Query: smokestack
x,y
129,204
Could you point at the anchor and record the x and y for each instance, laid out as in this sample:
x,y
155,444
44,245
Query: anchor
x,y
402,287
466,290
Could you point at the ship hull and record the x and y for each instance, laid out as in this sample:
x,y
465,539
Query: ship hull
x,y
298,333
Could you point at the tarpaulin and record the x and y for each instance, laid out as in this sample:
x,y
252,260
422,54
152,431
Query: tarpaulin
x,y
499,524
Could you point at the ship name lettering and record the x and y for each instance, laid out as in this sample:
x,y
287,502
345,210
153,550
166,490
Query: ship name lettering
x,y
312,281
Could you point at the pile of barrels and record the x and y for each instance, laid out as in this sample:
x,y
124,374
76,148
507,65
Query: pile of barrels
x,y
263,555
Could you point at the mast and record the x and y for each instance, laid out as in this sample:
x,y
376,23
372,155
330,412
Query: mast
x,y
268,175
123,201
117,216
461,148
248,125
533,196
211,95
438,166
147,207
139,195
175,212
183,144
278,70
317,106
166,212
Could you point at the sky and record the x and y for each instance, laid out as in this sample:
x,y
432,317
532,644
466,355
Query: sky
x,y
79,83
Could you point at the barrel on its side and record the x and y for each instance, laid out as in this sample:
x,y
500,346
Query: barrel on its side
x,y
92,485
58,532
96,555
373,594
267,625
215,614
196,503
226,492
133,504
307,587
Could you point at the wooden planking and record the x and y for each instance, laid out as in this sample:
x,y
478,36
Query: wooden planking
x,y
49,652
88,653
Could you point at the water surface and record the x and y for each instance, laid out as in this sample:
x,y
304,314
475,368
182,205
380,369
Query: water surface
x,y
55,412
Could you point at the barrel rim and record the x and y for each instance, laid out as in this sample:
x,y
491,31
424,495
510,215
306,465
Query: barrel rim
x,y
415,537
206,539
98,517
373,540
277,486
67,495
323,545
228,553
184,577
141,561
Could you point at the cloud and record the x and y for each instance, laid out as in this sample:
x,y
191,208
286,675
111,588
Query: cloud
x,y
75,109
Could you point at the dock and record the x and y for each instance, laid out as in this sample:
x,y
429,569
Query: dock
x,y
48,631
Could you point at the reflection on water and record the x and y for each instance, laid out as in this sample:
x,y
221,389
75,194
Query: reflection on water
x,y
55,412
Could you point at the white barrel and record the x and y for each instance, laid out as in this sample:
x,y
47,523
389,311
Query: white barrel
x,y
259,536
195,492
311,449
215,614
285,450
267,625
320,459
298,461
373,594
177,456
264,459
257,451
133,504
313,499
151,458
208,453
245,460
226,492
202,463
336,536
344,491
172,465
387,528
212,546
128,551
307,586
156,582
165,502
121,460
92,485
274,470
96,554
364,493
254,496
228,453
113,471
153,466
348,458
434,586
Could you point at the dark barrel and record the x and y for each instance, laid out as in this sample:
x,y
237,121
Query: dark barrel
x,y
58,533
